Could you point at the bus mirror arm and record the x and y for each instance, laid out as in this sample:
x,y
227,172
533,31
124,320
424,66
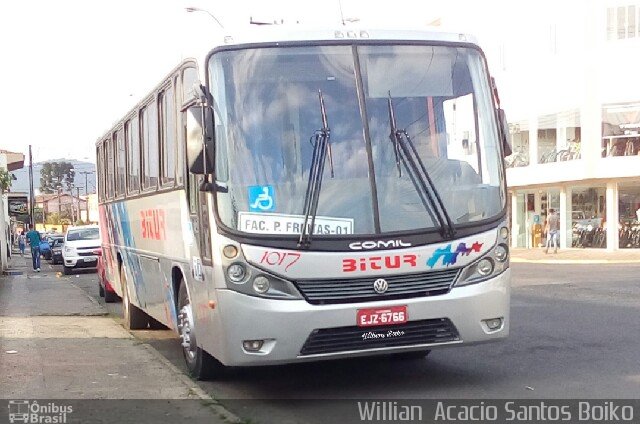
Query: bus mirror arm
x,y
505,135
218,186
503,124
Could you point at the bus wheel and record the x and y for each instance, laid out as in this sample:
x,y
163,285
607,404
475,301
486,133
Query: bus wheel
x,y
109,296
134,317
421,354
201,365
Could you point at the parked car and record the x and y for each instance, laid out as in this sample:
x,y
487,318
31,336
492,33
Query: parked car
x,y
56,250
104,286
80,244
46,250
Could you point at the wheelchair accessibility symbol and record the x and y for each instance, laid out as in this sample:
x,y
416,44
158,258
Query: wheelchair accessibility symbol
x,y
261,199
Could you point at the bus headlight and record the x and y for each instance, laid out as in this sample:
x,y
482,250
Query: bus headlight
x,y
261,284
236,273
484,267
501,253
494,263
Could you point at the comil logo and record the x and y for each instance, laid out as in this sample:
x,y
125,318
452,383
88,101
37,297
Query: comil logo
x,y
377,244
26,411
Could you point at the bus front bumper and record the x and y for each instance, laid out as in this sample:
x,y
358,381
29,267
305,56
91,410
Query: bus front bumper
x,y
283,326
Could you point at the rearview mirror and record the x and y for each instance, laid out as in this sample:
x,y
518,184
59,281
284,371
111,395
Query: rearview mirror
x,y
505,135
200,137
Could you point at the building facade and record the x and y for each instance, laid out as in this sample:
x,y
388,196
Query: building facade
x,y
62,204
577,144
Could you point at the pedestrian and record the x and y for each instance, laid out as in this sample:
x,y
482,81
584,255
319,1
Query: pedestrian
x,y
552,229
34,243
21,242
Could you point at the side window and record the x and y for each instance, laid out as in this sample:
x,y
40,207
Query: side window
x,y
180,138
132,136
120,162
149,121
100,178
189,77
168,135
109,168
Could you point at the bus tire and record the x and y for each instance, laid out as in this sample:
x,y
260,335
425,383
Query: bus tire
x,y
109,296
134,318
200,364
420,354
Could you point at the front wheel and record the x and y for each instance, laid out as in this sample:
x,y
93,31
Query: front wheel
x,y
66,270
200,364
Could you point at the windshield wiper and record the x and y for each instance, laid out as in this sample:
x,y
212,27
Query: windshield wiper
x,y
406,151
321,149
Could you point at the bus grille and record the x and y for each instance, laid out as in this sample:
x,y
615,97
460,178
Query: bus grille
x,y
347,339
319,292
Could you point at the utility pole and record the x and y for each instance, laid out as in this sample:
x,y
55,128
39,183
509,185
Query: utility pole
x,y
31,194
79,218
59,208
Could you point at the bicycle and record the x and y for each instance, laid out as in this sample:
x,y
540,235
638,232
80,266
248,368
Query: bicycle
x,y
549,156
520,157
571,152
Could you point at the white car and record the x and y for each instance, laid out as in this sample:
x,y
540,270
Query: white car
x,y
81,248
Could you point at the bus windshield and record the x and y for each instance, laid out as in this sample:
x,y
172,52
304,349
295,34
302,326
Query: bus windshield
x,y
267,121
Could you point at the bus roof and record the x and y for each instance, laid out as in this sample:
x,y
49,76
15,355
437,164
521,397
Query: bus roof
x,y
290,33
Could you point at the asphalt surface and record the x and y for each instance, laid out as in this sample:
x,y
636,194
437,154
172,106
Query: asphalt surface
x,y
575,333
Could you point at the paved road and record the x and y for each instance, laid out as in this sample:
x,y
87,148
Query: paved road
x,y
575,333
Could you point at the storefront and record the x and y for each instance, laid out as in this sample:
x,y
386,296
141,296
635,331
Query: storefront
x,y
584,215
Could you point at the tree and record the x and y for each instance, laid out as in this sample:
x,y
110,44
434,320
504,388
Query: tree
x,y
56,175
38,214
5,180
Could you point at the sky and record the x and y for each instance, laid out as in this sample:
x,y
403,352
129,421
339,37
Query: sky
x,y
72,68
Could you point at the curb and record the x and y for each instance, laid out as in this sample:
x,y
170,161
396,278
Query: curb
x,y
210,402
575,261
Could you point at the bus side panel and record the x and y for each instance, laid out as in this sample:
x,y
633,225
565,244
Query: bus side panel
x,y
109,248
148,233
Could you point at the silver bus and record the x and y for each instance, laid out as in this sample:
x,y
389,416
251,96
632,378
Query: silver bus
x,y
301,195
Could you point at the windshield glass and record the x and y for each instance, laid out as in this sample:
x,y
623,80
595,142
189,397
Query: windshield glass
x,y
84,234
267,114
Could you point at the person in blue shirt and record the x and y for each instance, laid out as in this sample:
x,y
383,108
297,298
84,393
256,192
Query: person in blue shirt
x,y
33,237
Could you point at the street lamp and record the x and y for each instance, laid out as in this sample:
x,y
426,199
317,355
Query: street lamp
x,y
197,9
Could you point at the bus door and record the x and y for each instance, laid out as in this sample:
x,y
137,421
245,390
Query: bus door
x,y
199,215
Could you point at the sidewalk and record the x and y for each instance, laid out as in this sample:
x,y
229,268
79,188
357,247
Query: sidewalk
x,y
575,256
56,342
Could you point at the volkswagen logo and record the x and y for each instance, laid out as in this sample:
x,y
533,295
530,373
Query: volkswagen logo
x,y
380,285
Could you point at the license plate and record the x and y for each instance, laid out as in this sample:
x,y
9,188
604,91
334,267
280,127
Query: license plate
x,y
90,259
382,316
